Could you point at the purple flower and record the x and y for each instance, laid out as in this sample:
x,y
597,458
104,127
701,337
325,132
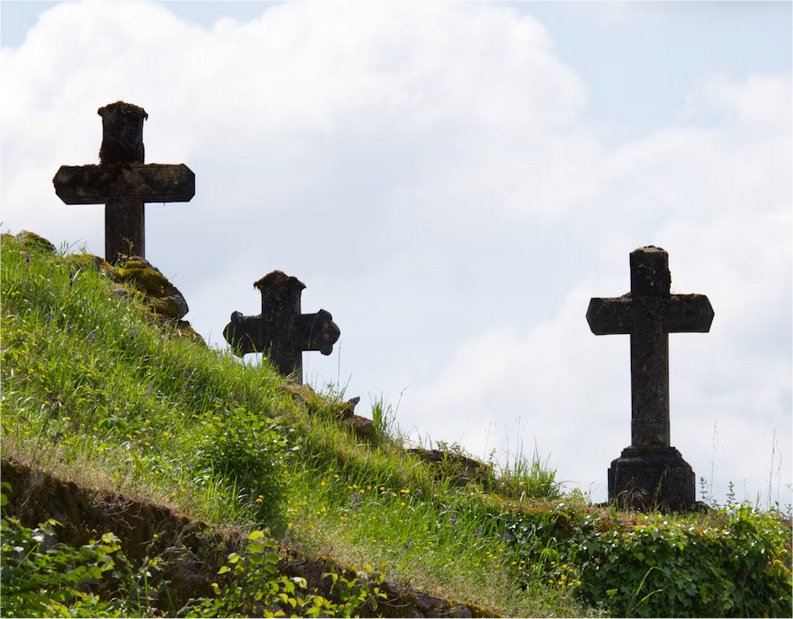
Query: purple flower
x,y
69,328
453,518
134,334
356,498
91,335
27,257
507,536
187,374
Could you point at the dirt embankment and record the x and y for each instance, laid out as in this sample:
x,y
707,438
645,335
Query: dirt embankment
x,y
192,550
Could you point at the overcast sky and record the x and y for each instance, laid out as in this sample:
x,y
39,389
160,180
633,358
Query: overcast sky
x,y
453,182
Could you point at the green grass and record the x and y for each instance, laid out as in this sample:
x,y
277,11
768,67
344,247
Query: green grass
x,y
97,390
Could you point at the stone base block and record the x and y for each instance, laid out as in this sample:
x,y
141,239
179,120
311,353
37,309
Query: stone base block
x,y
644,478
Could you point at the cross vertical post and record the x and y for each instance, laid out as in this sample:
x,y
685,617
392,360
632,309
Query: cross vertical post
x,y
122,182
650,471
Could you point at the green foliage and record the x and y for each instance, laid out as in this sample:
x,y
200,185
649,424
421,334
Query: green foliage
x,y
735,562
249,585
42,578
94,386
738,565
522,479
247,451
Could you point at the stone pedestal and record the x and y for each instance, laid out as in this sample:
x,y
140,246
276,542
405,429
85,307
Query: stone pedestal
x,y
646,477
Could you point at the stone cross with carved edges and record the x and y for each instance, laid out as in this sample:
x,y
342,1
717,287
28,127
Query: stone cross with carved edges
x,y
649,313
281,332
122,182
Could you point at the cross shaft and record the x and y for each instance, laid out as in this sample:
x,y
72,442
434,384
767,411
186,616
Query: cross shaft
x,y
648,313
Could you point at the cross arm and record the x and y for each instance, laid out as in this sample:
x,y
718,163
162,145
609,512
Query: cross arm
x,y
318,331
610,316
152,182
677,313
688,313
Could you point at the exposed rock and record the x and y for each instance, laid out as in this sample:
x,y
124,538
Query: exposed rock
x,y
461,468
347,409
161,295
183,328
90,261
361,426
31,240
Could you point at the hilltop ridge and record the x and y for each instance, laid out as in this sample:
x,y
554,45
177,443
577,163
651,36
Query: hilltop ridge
x,y
104,390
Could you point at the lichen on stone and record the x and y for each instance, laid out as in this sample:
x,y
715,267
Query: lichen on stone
x,y
160,294
32,241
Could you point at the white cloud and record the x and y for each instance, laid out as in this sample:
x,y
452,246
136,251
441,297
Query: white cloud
x,y
428,170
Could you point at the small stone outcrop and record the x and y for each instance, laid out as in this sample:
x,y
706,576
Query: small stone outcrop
x,y
161,295
461,468
31,240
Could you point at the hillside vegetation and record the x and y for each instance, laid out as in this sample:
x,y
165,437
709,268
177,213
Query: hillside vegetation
x,y
247,481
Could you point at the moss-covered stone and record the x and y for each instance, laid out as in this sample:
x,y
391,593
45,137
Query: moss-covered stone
x,y
90,261
161,295
32,241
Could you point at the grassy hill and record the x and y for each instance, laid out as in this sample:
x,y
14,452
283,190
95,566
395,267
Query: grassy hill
x,y
251,495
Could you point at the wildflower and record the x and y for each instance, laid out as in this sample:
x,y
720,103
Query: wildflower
x,y
260,499
69,328
453,518
405,491
187,374
91,334
133,334
27,257
507,536
356,497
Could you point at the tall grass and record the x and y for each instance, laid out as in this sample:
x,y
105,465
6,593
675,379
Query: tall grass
x,y
97,389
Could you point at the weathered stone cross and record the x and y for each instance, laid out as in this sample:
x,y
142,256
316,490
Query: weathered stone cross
x,y
122,182
281,331
650,471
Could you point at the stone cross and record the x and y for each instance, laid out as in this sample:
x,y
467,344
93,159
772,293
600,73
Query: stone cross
x,y
651,468
281,331
122,182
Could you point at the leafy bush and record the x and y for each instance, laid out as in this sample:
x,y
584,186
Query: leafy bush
x,y
249,586
248,452
734,562
740,566
41,578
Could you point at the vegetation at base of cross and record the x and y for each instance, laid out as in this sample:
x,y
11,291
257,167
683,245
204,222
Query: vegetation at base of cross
x,y
99,390
732,561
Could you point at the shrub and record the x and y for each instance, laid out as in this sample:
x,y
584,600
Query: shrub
x,y
41,578
738,566
248,452
733,562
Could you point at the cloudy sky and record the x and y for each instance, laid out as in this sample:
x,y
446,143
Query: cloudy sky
x,y
453,182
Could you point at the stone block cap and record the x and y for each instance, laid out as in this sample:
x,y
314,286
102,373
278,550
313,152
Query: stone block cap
x,y
278,279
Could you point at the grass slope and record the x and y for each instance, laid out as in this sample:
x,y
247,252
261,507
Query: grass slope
x,y
98,390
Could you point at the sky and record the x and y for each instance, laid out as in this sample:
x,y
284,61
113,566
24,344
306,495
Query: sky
x,y
453,181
